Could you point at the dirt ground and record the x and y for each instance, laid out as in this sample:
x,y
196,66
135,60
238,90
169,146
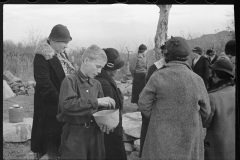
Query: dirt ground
x,y
22,150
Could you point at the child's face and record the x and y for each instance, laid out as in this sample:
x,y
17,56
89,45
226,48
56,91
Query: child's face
x,y
93,67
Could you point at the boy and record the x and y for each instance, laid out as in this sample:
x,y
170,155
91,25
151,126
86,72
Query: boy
x,y
80,97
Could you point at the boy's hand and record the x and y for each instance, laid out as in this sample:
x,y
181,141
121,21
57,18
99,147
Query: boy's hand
x,y
106,103
105,129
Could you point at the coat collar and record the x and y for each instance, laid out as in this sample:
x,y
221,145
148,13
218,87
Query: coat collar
x,y
105,75
220,85
43,48
83,78
178,63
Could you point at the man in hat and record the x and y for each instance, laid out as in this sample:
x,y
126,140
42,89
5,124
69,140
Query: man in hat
x,y
177,103
220,138
113,142
200,65
138,69
211,56
51,66
81,96
230,50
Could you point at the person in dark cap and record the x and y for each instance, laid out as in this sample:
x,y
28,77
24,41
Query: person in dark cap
x,y
200,65
230,50
51,66
138,69
114,145
211,56
177,103
220,137
80,97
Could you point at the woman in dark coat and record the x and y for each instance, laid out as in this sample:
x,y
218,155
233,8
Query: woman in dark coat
x,y
51,65
114,145
138,70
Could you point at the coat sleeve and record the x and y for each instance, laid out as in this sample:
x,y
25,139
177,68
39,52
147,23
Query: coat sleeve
x,y
150,71
213,107
132,64
204,102
48,91
71,104
147,97
106,88
206,72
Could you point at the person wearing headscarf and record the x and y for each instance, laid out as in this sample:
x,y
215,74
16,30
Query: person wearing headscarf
x,y
176,101
220,137
51,66
113,142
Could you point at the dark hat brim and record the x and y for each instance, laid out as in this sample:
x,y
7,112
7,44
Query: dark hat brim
x,y
60,39
215,67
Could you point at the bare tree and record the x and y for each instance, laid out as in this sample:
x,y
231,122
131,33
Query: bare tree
x,y
162,29
33,35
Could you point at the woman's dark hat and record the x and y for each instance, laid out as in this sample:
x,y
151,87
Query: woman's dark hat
x,y
210,52
60,33
224,65
114,61
177,47
142,48
197,50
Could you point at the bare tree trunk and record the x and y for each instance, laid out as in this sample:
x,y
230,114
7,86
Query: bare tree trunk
x,y
162,29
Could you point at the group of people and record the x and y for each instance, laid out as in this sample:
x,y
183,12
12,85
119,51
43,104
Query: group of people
x,y
177,101
66,98
173,100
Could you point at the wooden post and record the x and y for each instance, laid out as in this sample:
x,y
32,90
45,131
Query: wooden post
x,y
162,28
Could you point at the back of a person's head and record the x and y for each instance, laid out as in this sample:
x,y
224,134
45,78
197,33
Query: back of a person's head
x,y
230,48
94,53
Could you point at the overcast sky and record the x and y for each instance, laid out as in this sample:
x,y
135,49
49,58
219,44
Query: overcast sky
x,y
112,25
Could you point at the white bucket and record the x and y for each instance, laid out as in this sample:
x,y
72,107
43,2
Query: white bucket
x,y
109,118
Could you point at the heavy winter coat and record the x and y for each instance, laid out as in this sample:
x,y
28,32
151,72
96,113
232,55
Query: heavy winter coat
x,y
220,138
114,145
177,102
202,69
48,74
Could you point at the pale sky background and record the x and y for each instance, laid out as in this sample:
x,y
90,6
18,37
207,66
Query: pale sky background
x,y
112,25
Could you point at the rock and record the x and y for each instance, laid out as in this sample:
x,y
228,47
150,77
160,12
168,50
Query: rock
x,y
127,138
132,123
17,132
134,156
137,145
31,83
128,147
45,157
125,97
7,91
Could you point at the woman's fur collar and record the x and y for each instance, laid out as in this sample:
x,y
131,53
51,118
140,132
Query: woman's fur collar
x,y
45,49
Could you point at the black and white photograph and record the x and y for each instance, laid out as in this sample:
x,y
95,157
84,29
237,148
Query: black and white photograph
x,y
119,82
